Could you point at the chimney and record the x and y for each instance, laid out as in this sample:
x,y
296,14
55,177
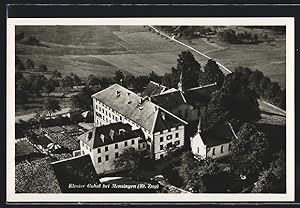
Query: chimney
x,y
118,93
102,137
121,131
111,134
89,136
163,115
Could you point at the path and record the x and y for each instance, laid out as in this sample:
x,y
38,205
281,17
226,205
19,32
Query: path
x,y
227,71
31,115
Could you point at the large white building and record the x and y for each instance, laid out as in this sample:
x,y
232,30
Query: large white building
x,y
105,143
161,128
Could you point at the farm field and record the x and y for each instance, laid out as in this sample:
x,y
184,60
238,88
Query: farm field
x,y
268,58
101,50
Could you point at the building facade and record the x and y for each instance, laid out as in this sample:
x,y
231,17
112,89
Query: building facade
x,y
105,143
160,127
214,143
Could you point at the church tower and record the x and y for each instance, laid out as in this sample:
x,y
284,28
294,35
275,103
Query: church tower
x,y
180,83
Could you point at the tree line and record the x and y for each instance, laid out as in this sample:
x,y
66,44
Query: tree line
x,y
231,36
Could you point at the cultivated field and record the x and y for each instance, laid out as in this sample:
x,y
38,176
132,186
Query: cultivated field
x,y
101,50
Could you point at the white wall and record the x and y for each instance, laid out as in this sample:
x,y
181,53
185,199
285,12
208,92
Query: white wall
x,y
218,152
157,135
197,146
106,166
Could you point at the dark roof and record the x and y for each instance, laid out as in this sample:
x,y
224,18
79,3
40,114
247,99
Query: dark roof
x,y
165,121
36,177
169,100
77,170
220,134
129,104
111,134
152,89
199,95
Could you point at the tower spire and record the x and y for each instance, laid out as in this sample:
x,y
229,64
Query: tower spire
x,y
180,83
199,125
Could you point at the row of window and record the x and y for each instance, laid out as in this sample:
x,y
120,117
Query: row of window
x,y
107,157
169,137
116,146
176,143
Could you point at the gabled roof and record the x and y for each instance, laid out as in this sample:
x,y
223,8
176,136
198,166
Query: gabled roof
x,y
169,100
109,134
76,170
200,94
36,177
153,88
221,134
139,110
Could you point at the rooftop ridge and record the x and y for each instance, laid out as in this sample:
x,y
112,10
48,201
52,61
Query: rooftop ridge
x,y
201,87
67,159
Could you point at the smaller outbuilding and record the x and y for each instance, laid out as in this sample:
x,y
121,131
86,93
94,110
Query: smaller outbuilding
x,y
213,143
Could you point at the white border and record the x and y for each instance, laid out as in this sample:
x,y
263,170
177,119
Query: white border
x,y
290,141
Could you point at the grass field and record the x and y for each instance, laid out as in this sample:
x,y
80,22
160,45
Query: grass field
x,y
101,50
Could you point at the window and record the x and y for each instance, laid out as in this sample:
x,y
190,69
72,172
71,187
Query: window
x,y
161,147
144,145
120,118
106,158
102,110
169,137
99,150
161,156
106,148
198,149
99,159
109,115
105,112
125,144
169,145
222,149
176,135
161,139
169,130
177,143
214,151
82,152
132,141
116,146
229,146
116,155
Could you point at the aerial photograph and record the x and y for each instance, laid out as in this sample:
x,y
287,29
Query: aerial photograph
x,y
150,109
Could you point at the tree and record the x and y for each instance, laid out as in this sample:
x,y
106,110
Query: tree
x,y
43,68
133,160
19,64
76,79
50,86
51,105
92,80
29,64
56,74
66,82
36,84
83,99
154,77
249,151
272,180
212,74
119,77
235,100
190,69
195,172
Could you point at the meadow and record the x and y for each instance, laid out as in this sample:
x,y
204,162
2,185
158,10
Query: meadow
x,y
101,50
